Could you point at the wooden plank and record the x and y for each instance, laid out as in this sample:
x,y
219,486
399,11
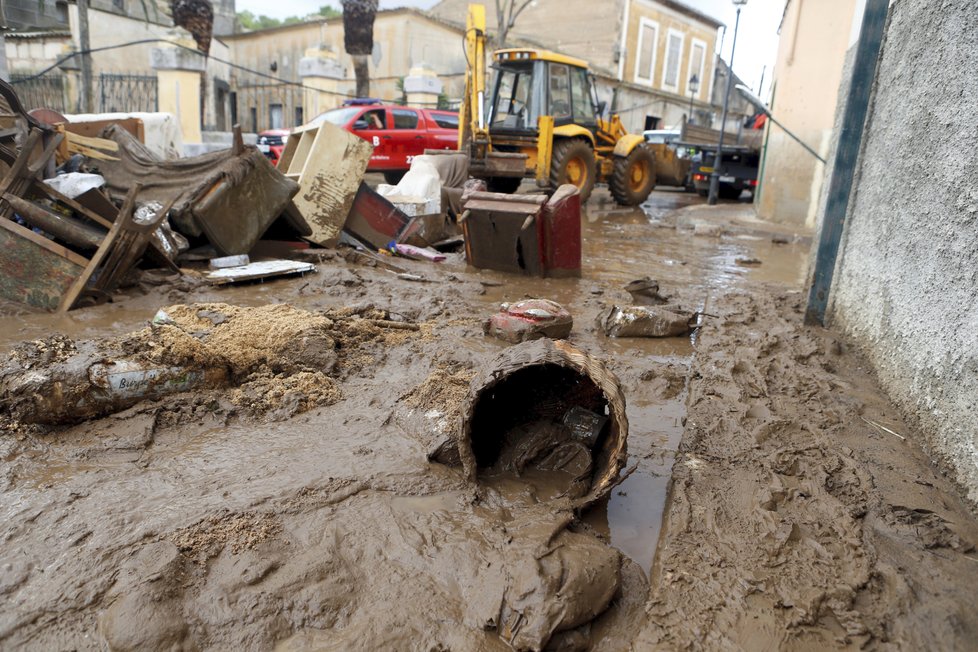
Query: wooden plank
x,y
72,204
846,158
69,298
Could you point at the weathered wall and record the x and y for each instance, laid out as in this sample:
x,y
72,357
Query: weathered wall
x,y
906,290
811,51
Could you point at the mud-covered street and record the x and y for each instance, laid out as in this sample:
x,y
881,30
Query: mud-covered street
x,y
772,498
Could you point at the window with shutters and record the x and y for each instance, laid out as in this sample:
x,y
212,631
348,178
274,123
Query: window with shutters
x,y
648,39
674,55
697,65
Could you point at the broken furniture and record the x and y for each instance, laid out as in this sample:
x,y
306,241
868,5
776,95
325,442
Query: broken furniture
x,y
42,272
230,197
524,234
328,164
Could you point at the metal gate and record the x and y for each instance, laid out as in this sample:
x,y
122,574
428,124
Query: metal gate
x,y
44,92
127,93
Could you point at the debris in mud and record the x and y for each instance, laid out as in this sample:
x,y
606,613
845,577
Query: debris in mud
x,y
644,321
436,412
524,234
747,261
282,396
521,411
237,531
529,319
197,347
645,292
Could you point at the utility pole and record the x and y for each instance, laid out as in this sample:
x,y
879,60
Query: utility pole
x,y
717,160
87,90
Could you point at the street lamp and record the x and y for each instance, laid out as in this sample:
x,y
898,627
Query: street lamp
x,y
694,88
715,175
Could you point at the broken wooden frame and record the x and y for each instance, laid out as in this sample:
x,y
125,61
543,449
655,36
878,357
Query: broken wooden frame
x,y
43,273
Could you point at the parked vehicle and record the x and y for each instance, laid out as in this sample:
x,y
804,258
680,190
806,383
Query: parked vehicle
x,y
398,133
271,143
738,167
738,171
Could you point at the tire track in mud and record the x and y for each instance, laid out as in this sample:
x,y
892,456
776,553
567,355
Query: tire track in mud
x,y
792,523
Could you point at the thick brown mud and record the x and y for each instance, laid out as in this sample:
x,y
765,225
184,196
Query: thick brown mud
x,y
251,516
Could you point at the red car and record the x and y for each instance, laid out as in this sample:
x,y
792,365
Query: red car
x,y
271,143
398,134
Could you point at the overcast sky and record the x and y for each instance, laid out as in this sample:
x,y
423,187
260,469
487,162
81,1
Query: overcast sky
x,y
757,39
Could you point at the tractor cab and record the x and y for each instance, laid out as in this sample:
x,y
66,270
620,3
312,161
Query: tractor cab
x,y
534,83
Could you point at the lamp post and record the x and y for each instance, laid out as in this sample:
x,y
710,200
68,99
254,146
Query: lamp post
x,y
694,88
715,175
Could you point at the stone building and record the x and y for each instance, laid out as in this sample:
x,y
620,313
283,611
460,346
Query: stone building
x,y
292,73
805,87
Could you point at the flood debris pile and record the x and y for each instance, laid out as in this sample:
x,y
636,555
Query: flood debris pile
x,y
79,214
550,415
278,359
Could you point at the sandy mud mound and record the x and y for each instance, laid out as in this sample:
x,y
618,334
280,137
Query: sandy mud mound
x,y
280,361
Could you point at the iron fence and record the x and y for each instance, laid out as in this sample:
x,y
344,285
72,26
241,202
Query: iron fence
x,y
122,93
45,92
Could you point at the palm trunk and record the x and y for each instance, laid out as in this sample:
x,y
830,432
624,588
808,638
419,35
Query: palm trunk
x,y
362,72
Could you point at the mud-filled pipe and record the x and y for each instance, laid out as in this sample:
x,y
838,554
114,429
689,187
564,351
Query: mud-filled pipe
x,y
552,379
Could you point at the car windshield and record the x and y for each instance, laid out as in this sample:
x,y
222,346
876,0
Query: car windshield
x,y
337,117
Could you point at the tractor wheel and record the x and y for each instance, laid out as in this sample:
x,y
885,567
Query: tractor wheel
x,y
633,177
507,185
393,177
573,162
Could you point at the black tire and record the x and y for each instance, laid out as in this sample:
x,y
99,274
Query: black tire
x,y
729,192
633,177
507,185
573,162
393,177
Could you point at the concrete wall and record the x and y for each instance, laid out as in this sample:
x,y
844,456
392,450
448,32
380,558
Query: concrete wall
x,y
906,290
807,72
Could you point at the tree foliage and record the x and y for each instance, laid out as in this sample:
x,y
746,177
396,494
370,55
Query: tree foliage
x,y
249,21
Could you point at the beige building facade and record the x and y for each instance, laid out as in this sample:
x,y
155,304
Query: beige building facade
x,y
305,71
815,36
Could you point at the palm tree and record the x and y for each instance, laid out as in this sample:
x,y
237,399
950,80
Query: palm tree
x,y
358,39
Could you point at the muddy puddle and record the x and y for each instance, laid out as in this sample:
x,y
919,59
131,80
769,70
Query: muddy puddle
x,y
309,501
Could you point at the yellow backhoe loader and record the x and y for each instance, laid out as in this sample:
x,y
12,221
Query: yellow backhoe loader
x,y
543,120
